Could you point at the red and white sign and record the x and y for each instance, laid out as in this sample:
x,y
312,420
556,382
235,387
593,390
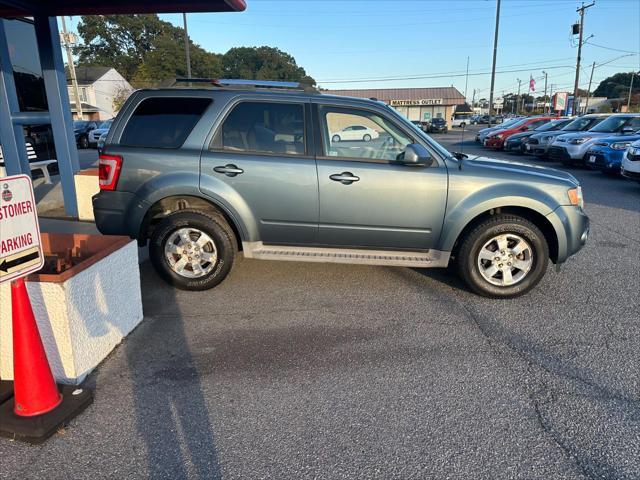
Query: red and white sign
x,y
20,245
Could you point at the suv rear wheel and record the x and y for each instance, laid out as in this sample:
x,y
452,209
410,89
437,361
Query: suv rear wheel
x,y
193,250
503,257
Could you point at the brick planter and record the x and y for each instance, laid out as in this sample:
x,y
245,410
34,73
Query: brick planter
x,y
83,312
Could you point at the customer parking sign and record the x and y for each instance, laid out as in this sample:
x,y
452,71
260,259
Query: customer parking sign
x,y
20,245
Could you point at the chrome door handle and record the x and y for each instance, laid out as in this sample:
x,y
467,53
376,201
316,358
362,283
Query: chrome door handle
x,y
346,178
229,170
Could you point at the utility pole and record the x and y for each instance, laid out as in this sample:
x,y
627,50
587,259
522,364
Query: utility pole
x,y
473,100
66,41
544,109
580,32
495,53
586,105
186,45
466,82
633,74
518,99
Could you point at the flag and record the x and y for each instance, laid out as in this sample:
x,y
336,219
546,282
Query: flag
x,y
532,84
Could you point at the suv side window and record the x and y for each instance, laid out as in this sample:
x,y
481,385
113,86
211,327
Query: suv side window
x,y
163,122
635,123
262,127
383,140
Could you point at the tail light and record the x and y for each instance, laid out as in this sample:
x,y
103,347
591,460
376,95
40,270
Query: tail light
x,y
109,171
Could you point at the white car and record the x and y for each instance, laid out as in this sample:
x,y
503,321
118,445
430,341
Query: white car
x,y
631,162
354,132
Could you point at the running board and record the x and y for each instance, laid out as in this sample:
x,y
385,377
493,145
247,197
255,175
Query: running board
x,y
428,259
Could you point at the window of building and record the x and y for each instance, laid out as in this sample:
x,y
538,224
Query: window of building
x,y
261,127
163,122
376,137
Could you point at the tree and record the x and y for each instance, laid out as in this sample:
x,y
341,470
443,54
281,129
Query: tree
x,y
263,63
617,86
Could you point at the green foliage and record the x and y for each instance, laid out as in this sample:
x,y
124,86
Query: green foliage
x,y
617,86
147,50
263,63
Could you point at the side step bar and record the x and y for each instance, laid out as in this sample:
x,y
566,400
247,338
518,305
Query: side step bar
x,y
428,259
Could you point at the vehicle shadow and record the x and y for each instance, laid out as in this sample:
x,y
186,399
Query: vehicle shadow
x,y
171,411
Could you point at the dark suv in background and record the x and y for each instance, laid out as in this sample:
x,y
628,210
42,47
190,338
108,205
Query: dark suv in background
x,y
438,125
200,174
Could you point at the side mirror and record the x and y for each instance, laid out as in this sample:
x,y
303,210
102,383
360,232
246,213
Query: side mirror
x,y
628,131
415,154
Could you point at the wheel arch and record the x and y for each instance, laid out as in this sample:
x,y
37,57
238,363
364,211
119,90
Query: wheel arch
x,y
530,214
173,203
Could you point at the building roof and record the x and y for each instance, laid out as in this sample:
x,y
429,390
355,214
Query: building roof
x,y
86,107
22,8
449,95
87,75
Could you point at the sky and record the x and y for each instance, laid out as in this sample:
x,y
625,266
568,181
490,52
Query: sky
x,y
413,43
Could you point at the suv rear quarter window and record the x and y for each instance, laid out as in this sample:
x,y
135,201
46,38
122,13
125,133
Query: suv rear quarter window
x,y
163,122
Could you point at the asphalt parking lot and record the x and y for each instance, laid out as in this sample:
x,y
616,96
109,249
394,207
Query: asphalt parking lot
x,y
294,370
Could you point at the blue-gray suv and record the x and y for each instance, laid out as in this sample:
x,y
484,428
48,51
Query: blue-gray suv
x,y
203,173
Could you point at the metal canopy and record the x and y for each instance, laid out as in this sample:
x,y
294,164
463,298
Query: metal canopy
x,y
52,8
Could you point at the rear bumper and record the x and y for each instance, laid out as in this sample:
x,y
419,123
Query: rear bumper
x,y
572,229
112,212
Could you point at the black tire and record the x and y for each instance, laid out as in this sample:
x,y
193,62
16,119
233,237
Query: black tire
x,y
469,250
83,142
335,138
462,125
215,226
366,137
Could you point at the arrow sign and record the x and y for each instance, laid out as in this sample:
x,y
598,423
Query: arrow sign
x,y
20,243
5,266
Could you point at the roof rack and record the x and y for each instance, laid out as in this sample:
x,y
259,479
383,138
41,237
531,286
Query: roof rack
x,y
243,83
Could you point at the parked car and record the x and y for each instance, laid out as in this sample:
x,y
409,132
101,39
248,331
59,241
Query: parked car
x,y
474,120
484,132
631,162
496,140
571,148
516,143
82,129
461,120
606,153
95,135
538,144
101,141
355,132
438,125
494,119
216,171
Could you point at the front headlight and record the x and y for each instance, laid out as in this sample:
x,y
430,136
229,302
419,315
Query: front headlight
x,y
498,136
578,141
575,196
548,139
620,145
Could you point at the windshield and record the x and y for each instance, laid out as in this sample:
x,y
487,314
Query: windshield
x,y
80,123
509,123
610,125
549,125
580,124
106,124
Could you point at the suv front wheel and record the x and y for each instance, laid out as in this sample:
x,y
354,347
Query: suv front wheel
x,y
503,257
193,250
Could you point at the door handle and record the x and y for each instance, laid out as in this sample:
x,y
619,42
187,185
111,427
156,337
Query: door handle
x,y
229,170
346,178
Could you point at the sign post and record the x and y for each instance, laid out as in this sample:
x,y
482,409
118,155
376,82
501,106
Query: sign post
x,y
39,406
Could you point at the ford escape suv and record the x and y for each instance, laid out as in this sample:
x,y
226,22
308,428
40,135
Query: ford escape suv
x,y
200,174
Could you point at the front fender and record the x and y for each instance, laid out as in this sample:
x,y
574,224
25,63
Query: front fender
x,y
461,212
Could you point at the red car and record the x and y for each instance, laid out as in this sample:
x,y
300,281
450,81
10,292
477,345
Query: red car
x,y
496,139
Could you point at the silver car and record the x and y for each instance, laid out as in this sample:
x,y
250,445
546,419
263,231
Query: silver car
x,y
570,149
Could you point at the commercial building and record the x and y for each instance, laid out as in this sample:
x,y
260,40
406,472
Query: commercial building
x,y
419,104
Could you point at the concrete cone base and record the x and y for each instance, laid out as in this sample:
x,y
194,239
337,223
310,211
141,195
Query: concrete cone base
x,y
38,428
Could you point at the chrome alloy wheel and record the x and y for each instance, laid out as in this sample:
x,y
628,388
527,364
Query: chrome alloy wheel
x,y
505,260
190,252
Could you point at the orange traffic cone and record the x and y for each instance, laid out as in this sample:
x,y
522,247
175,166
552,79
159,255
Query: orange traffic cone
x,y
39,406
34,389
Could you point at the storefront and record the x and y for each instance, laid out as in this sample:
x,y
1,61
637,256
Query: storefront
x,y
417,104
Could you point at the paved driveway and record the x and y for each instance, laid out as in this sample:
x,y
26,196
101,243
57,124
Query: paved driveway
x,y
292,370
